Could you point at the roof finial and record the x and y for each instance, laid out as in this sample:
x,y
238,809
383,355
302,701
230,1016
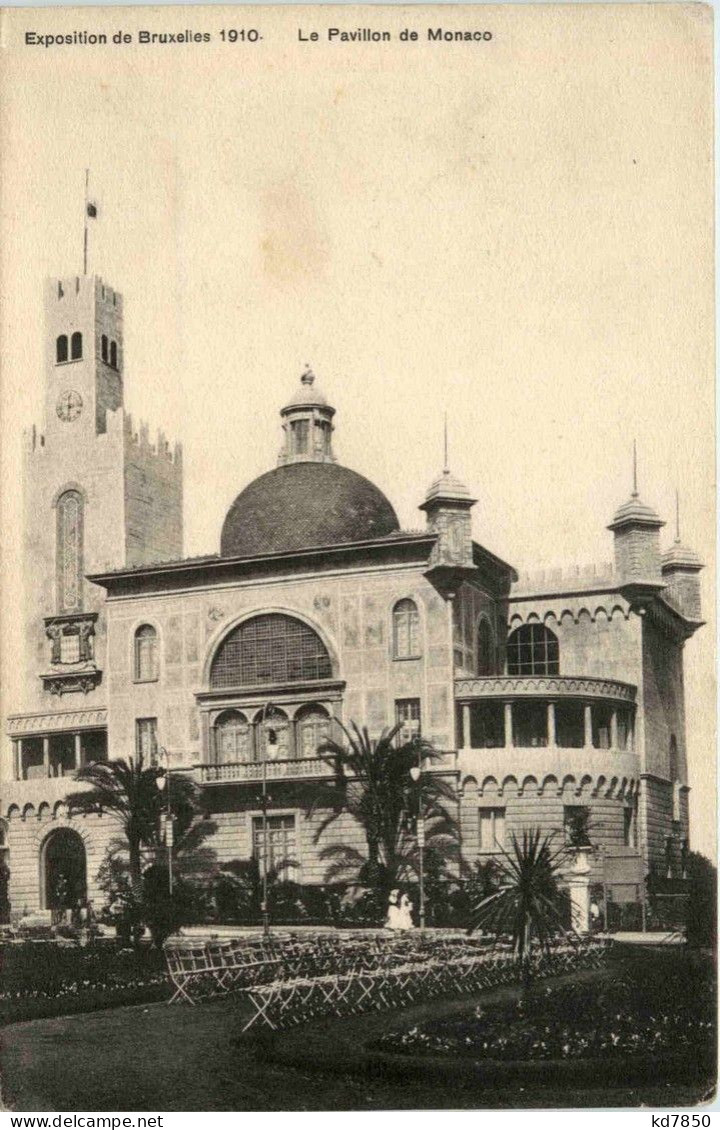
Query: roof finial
x,y
446,468
677,516
635,489
308,376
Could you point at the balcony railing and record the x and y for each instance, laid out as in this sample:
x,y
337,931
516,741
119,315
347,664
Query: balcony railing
x,y
543,686
286,769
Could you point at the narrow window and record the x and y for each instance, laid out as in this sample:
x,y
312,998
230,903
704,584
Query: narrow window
x,y
492,829
300,428
113,354
61,349
146,664
629,826
529,724
406,630
485,665
407,716
104,347
533,650
601,724
146,746
69,551
281,837
76,346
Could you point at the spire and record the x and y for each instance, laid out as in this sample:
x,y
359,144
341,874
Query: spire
x,y
446,467
635,512
677,516
634,489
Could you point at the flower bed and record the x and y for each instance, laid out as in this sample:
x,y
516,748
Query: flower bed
x,y
655,1007
47,978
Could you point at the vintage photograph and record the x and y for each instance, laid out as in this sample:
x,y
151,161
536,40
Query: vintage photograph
x,y
358,511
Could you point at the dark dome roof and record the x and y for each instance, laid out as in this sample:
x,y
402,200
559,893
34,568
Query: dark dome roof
x,y
302,505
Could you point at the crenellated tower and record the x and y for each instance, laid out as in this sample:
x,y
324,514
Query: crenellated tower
x,y
98,494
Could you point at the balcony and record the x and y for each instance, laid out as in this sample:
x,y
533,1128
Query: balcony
x,y
546,726
296,768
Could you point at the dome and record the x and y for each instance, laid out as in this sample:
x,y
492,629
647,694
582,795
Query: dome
x,y
303,505
308,395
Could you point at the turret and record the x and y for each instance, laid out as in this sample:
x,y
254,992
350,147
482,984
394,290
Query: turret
x,y
681,572
447,506
638,561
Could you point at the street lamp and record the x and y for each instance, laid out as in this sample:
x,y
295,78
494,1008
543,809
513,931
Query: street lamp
x,y
163,782
269,742
416,774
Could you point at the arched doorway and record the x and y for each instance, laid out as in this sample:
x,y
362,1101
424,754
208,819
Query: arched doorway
x,y
64,870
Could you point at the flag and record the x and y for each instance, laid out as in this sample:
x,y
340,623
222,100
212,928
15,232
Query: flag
x,y
92,210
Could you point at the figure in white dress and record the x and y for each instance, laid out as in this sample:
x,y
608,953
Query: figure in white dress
x,y
399,912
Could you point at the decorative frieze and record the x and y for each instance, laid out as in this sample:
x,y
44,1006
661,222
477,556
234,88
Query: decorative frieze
x,y
554,686
21,724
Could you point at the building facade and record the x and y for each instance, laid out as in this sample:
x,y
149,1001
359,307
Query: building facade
x,y
550,697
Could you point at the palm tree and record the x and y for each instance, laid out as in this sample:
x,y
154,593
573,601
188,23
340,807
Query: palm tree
x,y
373,784
526,903
128,792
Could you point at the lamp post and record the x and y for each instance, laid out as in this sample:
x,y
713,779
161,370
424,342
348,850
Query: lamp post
x,y
416,774
163,783
269,742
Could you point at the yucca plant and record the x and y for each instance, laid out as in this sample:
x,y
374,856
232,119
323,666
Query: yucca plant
x,y
526,905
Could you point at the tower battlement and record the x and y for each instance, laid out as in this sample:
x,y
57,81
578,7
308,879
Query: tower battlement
x,y
160,450
560,579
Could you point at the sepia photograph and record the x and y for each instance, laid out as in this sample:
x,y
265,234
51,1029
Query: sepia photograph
x,y
357,630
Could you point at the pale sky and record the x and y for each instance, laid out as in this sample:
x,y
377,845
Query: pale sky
x,y
515,232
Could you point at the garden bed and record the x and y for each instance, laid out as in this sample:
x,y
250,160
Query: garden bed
x,y
656,1009
47,978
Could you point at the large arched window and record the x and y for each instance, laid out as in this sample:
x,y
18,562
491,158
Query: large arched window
x,y
146,657
313,728
272,735
270,649
76,346
69,551
233,737
406,630
533,650
61,349
485,657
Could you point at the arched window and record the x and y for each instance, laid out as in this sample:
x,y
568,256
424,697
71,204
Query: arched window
x,y
69,551
270,649
104,347
113,354
533,650
146,657
406,630
313,728
61,349
233,737
485,658
272,735
76,346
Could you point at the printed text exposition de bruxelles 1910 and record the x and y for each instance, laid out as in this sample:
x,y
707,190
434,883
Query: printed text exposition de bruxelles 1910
x,y
253,35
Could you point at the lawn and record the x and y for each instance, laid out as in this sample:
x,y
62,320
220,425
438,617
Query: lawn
x,y
157,1057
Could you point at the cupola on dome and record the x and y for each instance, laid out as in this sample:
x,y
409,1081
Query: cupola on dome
x,y
308,500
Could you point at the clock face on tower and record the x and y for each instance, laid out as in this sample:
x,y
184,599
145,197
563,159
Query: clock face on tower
x,y
69,405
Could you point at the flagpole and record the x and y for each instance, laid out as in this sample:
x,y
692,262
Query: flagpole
x,y
85,220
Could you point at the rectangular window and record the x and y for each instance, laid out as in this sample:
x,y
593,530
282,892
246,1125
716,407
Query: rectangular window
x,y
529,720
301,436
576,824
281,845
407,716
624,729
146,740
601,725
492,829
70,649
487,725
569,725
629,827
